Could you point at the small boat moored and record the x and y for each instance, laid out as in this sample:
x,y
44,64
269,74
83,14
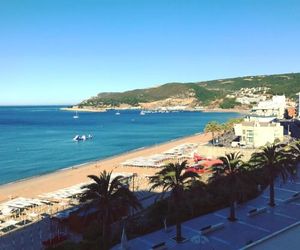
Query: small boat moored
x,y
82,137
76,116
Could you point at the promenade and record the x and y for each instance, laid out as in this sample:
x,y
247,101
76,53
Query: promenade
x,y
256,220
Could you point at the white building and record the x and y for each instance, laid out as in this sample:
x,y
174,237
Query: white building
x,y
274,107
257,118
250,99
256,134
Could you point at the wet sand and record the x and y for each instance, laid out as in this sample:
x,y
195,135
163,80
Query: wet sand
x,y
65,178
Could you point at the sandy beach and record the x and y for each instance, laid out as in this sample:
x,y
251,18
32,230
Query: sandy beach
x,y
78,174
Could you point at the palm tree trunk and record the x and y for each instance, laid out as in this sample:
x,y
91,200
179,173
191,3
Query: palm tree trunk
x,y
213,138
178,221
104,238
178,229
272,191
105,233
232,209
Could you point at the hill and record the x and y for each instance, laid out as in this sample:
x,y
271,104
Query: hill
x,y
209,93
278,84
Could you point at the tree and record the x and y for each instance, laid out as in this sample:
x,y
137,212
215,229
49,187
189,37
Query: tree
x,y
230,174
294,151
111,197
231,122
212,127
228,103
174,178
275,161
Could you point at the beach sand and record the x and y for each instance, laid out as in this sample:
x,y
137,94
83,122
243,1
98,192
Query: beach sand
x,y
65,178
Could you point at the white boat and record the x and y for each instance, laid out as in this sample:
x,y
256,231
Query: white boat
x,y
76,138
142,112
118,113
82,138
76,116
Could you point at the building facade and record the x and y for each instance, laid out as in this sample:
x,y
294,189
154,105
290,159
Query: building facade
x,y
256,134
274,107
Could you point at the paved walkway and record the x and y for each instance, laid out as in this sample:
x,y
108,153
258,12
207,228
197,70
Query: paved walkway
x,y
232,235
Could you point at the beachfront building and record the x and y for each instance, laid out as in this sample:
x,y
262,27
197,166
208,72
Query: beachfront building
x,y
274,107
256,134
258,118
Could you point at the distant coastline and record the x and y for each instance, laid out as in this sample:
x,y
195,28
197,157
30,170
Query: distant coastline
x,y
241,111
207,110
85,109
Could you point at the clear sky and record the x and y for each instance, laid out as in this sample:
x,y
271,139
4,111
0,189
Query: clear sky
x,y
64,51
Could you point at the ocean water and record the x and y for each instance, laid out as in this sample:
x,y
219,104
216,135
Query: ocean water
x,y
38,140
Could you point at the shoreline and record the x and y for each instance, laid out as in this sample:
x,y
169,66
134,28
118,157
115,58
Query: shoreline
x,y
83,109
216,110
72,175
206,110
80,165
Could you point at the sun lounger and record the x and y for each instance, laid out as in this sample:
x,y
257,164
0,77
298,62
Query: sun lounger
x,y
159,246
8,226
211,228
256,211
23,222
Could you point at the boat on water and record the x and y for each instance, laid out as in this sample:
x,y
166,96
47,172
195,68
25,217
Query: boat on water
x,y
82,137
142,112
76,116
118,113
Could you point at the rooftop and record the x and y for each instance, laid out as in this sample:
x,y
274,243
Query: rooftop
x,y
258,124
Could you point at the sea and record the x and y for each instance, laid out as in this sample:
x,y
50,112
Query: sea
x,y
36,140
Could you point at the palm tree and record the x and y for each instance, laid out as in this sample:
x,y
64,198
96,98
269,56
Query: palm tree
x,y
212,127
230,173
174,178
294,149
275,161
231,122
111,197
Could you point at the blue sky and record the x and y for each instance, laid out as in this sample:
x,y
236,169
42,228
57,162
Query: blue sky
x,y
64,51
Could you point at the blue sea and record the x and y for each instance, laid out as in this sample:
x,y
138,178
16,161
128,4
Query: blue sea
x,y
37,140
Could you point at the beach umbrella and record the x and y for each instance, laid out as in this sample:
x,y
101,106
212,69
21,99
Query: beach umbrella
x,y
124,241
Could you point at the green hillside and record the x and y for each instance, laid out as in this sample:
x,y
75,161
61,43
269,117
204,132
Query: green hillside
x,y
279,84
134,97
204,92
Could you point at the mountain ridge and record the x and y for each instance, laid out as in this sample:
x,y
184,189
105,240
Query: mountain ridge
x,y
204,93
